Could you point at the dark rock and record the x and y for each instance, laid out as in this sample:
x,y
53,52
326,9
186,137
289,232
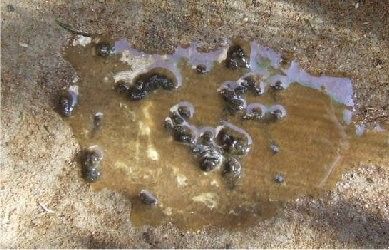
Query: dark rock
x,y
147,83
279,178
185,112
91,164
201,69
233,142
235,102
68,102
277,112
183,133
92,174
206,138
93,157
232,168
210,159
98,120
236,58
148,198
176,118
103,49
254,111
278,85
274,148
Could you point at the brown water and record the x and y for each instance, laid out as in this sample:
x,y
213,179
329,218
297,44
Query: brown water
x,y
316,144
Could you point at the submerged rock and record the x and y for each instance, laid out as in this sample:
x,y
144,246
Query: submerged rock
x,y
233,141
148,83
235,101
91,164
277,112
103,49
210,159
148,198
183,133
279,178
278,85
201,69
254,111
232,168
69,101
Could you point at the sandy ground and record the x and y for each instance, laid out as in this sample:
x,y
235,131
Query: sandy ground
x,y
45,203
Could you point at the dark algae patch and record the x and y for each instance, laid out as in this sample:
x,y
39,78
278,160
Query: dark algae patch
x,y
218,138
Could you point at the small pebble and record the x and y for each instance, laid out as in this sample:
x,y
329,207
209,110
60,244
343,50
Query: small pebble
x,y
210,159
232,168
91,164
69,101
274,148
92,174
103,49
279,178
278,112
184,112
201,69
278,85
97,120
148,198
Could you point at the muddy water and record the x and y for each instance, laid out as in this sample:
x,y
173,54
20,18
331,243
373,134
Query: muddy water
x,y
315,141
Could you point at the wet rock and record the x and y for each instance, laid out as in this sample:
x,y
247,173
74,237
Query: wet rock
x,y
240,90
148,198
233,142
206,138
254,111
236,105
136,94
232,169
168,124
274,148
103,49
162,81
234,101
253,84
98,120
91,164
236,58
278,85
185,112
201,69
176,118
279,178
92,174
147,83
183,133
93,157
183,109
69,101
121,87
210,159
278,112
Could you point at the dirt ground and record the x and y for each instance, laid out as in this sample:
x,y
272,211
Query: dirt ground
x,y
45,203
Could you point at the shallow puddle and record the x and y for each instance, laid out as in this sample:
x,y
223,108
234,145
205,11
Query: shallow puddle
x,y
302,153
